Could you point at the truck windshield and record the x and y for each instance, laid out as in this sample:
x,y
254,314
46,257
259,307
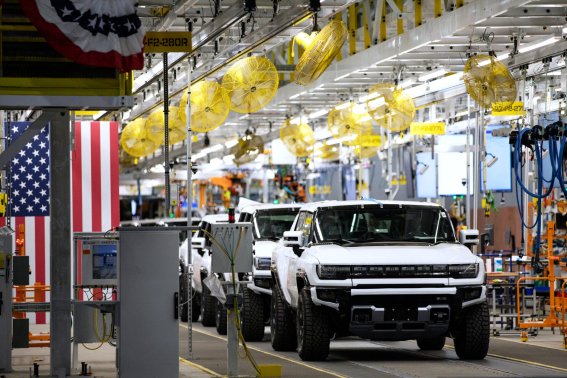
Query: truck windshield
x,y
384,224
271,224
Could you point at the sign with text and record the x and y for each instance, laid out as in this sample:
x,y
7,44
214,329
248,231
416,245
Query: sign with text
x,y
427,128
371,141
515,108
161,42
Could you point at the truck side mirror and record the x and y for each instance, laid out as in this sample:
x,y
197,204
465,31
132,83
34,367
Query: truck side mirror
x,y
469,237
293,239
197,243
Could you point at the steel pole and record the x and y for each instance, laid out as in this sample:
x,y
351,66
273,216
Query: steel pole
x,y
189,208
166,133
60,204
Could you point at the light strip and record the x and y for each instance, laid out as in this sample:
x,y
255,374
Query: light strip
x,y
537,44
433,74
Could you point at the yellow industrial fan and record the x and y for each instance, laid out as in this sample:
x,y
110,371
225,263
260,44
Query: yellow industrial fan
x,y
348,123
134,139
390,107
298,138
328,152
155,126
319,52
248,148
250,84
488,81
209,106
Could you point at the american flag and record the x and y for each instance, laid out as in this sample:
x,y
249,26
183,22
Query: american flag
x,y
95,196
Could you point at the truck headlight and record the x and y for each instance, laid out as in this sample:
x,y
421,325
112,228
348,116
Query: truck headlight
x,y
333,272
262,263
463,270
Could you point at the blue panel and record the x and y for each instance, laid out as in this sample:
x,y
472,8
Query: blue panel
x,y
499,175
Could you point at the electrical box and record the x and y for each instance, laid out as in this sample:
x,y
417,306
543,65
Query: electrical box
x,y
231,241
21,270
99,264
6,249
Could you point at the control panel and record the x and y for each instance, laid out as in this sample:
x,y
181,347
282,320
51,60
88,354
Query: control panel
x,y
99,265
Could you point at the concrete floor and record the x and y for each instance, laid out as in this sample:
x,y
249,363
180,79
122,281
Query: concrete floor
x,y
542,356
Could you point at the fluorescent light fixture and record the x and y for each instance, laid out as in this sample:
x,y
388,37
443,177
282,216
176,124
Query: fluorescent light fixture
x,y
231,143
492,160
296,95
245,116
342,76
423,169
537,44
498,58
318,113
545,153
295,120
376,103
433,74
368,97
344,105
216,147
407,82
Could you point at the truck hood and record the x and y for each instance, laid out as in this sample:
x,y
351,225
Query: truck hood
x,y
444,253
264,248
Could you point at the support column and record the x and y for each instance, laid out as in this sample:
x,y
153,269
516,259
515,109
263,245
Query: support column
x,y
60,203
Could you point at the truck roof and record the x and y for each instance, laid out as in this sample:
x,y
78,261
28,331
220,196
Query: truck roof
x,y
268,206
316,205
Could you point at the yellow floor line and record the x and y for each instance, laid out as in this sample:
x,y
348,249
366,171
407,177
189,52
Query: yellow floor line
x,y
200,367
527,362
519,360
273,355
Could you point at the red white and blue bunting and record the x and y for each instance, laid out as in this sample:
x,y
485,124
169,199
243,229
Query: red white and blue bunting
x,y
96,33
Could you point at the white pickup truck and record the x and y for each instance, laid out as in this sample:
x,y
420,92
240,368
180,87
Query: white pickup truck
x,y
269,222
380,270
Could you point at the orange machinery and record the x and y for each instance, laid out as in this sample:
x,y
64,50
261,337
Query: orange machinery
x,y
557,302
29,294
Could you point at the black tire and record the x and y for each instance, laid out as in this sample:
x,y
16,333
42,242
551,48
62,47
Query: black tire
x,y
312,330
282,327
196,306
220,318
183,294
434,343
473,335
252,315
208,307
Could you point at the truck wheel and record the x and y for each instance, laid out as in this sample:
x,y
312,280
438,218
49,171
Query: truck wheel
x,y
220,317
282,328
473,336
312,330
252,316
433,343
196,306
208,307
